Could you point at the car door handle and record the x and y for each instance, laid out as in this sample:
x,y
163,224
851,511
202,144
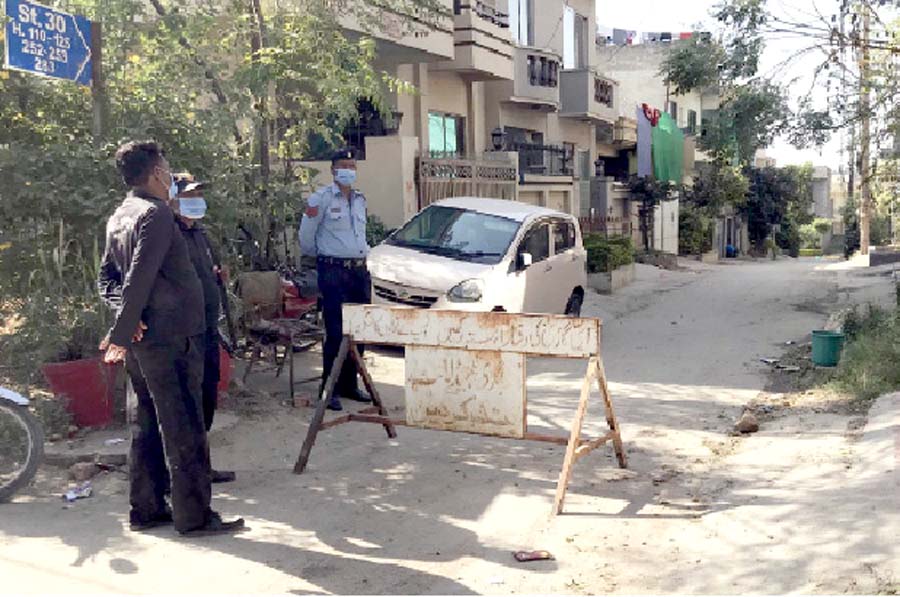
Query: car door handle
x,y
548,268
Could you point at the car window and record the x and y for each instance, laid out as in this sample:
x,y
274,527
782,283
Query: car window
x,y
459,234
563,236
537,242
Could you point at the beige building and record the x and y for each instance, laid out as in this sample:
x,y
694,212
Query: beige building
x,y
508,103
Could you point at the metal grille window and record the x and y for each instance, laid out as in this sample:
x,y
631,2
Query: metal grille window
x,y
603,92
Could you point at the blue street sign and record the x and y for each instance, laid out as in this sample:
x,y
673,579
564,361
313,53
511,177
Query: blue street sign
x,y
47,42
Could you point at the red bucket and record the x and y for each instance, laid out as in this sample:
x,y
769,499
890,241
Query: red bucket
x,y
89,387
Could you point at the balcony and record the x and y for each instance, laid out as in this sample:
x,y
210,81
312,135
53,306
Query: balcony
x,y
625,132
405,36
536,82
543,160
482,45
588,96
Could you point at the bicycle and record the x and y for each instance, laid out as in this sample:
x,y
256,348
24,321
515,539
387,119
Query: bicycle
x,y
21,443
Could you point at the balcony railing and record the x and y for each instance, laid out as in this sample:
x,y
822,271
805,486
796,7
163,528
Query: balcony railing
x,y
543,71
483,10
543,160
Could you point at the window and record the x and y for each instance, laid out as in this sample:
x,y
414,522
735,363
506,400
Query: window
x,y
692,122
537,243
563,237
574,36
673,110
521,21
446,135
458,234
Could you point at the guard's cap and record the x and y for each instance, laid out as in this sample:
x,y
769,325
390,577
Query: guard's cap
x,y
347,153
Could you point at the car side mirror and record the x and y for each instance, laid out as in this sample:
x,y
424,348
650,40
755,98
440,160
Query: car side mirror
x,y
524,261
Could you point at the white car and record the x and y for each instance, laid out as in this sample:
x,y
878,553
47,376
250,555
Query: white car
x,y
472,254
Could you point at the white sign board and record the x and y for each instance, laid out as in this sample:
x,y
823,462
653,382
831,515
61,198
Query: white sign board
x,y
461,390
544,335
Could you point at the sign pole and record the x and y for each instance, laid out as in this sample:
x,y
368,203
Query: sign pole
x,y
98,91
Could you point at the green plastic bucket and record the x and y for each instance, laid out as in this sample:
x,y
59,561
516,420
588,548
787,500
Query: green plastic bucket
x,y
826,347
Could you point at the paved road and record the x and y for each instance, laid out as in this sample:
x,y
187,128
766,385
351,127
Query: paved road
x,y
697,510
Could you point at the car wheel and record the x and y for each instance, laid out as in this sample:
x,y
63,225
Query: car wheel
x,y
573,307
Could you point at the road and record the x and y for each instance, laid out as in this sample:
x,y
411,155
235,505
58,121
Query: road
x,y
802,506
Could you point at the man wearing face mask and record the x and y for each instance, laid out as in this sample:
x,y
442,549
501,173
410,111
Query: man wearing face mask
x,y
148,279
333,230
190,207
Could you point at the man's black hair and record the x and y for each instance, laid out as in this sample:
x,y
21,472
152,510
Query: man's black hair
x,y
136,159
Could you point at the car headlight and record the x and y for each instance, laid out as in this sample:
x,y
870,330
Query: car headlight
x,y
469,291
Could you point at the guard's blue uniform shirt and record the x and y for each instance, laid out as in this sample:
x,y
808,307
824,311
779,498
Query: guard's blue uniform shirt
x,y
332,226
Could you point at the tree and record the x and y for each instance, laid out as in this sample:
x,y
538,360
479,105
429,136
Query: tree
x,y
233,90
716,186
779,197
650,192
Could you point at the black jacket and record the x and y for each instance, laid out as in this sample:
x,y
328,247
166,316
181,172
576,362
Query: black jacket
x,y
203,258
147,274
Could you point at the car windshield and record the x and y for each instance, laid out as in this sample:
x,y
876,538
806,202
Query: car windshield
x,y
458,234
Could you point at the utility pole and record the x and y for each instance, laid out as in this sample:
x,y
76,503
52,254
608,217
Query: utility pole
x,y
865,206
98,88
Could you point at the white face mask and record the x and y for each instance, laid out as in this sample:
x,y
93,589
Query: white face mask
x,y
193,208
345,176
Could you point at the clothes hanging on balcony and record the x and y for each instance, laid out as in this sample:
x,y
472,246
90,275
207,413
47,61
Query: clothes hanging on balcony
x,y
668,150
644,143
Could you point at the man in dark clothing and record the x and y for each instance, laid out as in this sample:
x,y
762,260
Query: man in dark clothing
x,y
148,279
190,207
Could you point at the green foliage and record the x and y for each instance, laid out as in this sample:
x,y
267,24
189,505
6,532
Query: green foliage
x,y
750,117
810,238
608,253
692,65
695,230
233,97
822,225
869,366
375,231
810,252
783,197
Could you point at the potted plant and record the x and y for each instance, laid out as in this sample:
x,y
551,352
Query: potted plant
x,y
63,336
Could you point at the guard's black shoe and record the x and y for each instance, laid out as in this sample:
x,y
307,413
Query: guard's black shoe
x,y
145,524
334,403
215,526
357,396
222,476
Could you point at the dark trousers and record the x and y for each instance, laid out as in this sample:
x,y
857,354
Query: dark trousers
x,y
339,285
211,374
168,442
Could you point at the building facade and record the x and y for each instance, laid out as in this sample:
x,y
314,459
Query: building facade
x,y
508,102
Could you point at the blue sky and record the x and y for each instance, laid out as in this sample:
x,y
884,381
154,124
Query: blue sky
x,y
683,15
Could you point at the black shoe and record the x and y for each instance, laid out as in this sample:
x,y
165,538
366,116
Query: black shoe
x,y
222,476
161,519
334,404
215,526
357,396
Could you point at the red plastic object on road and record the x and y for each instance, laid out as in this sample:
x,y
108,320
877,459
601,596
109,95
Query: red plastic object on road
x,y
89,387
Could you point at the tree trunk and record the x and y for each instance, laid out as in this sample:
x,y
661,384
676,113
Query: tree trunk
x,y
257,43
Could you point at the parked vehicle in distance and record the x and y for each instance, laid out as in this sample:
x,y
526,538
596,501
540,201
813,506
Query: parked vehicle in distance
x,y
474,254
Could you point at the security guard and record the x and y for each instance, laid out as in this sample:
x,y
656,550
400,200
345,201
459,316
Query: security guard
x,y
333,230
190,207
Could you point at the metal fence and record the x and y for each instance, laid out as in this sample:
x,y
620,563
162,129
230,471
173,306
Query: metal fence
x,y
444,178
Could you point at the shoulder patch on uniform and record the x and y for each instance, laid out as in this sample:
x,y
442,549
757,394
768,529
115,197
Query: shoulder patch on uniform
x,y
312,211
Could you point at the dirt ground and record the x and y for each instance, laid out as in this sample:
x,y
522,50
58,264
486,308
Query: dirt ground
x,y
808,504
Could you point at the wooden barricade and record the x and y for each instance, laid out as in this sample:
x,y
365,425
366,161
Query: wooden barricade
x,y
466,372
